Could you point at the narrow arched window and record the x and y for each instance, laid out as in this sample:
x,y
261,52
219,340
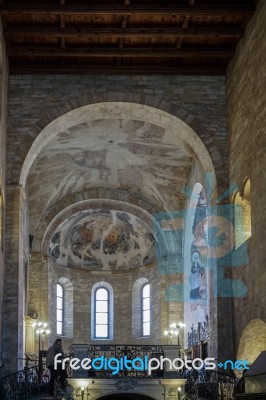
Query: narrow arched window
x,y
102,313
242,209
146,309
59,309
246,204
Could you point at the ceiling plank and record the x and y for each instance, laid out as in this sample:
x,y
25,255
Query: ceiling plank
x,y
119,32
122,52
186,69
114,9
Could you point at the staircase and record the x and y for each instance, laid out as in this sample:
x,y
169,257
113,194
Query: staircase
x,y
251,396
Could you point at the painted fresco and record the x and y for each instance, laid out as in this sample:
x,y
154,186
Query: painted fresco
x,y
103,240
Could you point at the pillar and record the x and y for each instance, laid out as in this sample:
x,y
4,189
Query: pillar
x,y
16,246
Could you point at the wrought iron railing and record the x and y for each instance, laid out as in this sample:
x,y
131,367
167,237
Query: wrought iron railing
x,y
24,384
212,385
195,336
60,393
119,352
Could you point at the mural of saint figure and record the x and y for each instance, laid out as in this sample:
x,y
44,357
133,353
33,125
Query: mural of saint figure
x,y
196,279
199,222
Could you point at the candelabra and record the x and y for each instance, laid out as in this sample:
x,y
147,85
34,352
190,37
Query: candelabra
x,y
41,329
174,331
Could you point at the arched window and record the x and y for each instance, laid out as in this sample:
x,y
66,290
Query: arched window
x,y
146,309
59,309
246,204
64,307
142,313
102,311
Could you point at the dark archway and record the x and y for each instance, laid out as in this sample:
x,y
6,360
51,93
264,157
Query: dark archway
x,y
126,396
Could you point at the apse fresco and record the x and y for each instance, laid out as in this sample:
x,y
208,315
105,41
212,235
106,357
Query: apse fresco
x,y
103,240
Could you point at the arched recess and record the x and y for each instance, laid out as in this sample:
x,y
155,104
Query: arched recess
x,y
252,341
57,214
175,127
47,230
97,195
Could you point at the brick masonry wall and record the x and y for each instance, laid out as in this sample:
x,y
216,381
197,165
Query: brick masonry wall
x,y
122,284
246,105
3,123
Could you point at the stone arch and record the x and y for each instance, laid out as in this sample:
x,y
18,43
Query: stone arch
x,y
96,195
141,107
252,341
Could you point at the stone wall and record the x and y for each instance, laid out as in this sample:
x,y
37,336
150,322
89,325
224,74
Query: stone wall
x,y
246,105
122,284
3,123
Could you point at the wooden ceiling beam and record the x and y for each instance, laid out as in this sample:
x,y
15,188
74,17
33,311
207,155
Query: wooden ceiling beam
x,y
123,31
122,52
189,69
113,9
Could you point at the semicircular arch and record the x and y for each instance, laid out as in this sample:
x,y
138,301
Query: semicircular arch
x,y
173,125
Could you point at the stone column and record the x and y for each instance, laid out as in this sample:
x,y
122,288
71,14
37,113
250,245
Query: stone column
x,y
172,352
80,352
14,280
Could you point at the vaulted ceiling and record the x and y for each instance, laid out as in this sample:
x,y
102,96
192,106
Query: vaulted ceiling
x,y
123,36
127,155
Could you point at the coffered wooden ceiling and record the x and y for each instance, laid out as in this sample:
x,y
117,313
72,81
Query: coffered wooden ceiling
x,y
123,36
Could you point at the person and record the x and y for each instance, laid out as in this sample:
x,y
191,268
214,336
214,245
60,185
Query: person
x,y
198,228
195,276
55,349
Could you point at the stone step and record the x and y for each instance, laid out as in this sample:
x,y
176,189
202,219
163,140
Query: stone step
x,y
251,396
